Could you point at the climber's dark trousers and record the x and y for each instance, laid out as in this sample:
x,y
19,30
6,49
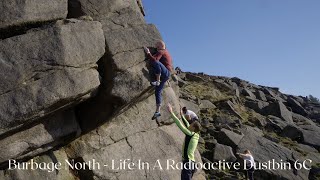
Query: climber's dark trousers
x,y
187,173
249,173
159,68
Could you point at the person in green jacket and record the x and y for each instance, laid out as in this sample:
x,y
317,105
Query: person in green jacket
x,y
190,143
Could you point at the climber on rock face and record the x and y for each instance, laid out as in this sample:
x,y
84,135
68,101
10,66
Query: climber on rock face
x,y
190,144
161,64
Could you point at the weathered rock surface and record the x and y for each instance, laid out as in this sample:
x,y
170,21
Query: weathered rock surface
x,y
193,77
223,120
280,110
284,135
226,86
132,135
229,138
260,95
247,92
40,138
256,105
205,104
18,13
264,150
124,70
230,106
276,124
310,131
311,136
49,173
222,152
296,106
144,146
131,75
292,132
100,8
113,14
181,82
272,94
39,78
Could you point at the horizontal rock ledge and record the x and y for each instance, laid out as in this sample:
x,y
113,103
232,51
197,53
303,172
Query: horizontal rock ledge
x,y
20,13
37,139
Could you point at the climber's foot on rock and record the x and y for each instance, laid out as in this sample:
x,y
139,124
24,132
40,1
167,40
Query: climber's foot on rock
x,y
155,83
156,115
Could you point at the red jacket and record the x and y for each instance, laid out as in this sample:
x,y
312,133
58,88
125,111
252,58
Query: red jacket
x,y
164,57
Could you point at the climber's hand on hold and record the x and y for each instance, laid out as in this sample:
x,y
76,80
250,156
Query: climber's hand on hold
x,y
146,50
169,107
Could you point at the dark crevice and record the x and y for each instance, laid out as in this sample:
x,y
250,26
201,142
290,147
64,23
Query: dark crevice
x,y
54,159
63,66
99,109
74,9
35,116
140,5
129,143
103,106
119,24
85,173
17,30
48,148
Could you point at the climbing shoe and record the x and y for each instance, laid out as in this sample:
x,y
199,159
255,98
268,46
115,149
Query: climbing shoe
x,y
156,115
155,83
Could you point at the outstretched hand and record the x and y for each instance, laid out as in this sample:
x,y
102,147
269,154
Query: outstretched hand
x,y
240,154
169,107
